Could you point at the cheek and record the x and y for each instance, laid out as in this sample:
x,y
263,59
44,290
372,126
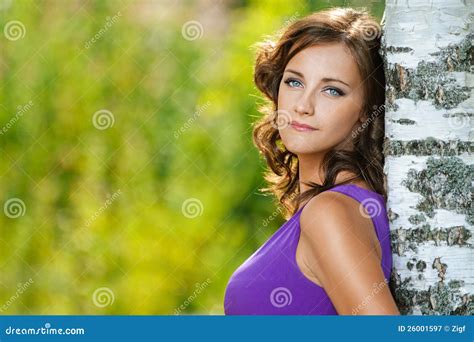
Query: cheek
x,y
288,97
283,98
297,142
337,117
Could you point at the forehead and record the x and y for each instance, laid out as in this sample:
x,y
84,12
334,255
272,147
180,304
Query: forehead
x,y
326,60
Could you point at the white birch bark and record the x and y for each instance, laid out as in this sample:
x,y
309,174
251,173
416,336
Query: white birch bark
x,y
428,52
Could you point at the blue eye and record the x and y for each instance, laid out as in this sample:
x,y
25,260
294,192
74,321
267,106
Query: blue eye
x,y
334,92
292,82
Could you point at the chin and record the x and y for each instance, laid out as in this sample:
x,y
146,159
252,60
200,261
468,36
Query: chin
x,y
304,148
299,149
296,144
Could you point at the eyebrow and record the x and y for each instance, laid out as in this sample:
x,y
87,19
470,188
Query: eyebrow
x,y
325,79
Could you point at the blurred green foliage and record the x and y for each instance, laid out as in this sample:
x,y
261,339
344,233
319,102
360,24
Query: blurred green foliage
x,y
107,206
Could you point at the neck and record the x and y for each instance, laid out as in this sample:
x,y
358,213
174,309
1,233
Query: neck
x,y
309,168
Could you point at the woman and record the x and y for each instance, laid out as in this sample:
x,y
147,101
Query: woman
x,y
321,135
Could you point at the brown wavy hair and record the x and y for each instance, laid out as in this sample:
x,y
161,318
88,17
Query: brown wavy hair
x,y
361,34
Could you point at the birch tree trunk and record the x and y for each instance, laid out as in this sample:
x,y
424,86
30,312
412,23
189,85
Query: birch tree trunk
x,y
428,52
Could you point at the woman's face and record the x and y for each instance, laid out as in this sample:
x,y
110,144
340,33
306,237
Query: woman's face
x,y
321,87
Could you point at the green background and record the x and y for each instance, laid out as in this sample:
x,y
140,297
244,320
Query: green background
x,y
103,208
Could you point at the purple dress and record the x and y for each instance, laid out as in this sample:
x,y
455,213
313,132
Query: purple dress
x,y
270,282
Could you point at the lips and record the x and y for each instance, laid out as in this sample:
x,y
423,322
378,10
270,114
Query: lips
x,y
301,126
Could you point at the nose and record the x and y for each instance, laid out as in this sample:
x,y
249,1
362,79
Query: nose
x,y
305,105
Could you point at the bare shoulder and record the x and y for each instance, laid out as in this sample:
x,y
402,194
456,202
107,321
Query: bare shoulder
x,y
341,254
333,218
332,209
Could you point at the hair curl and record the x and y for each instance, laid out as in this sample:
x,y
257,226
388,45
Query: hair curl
x,y
361,34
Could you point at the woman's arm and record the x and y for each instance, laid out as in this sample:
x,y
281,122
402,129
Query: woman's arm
x,y
343,257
